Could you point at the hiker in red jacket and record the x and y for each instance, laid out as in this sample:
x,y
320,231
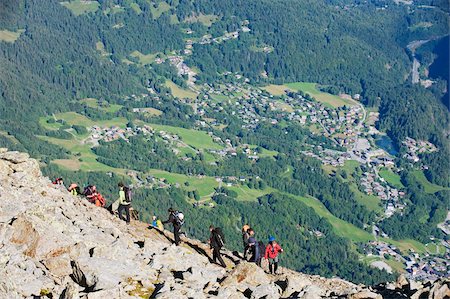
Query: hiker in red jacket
x,y
272,250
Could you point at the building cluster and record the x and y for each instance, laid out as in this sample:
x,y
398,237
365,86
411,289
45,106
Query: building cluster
x,y
416,147
418,267
112,133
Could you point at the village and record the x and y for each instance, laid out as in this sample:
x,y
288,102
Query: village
x,y
417,266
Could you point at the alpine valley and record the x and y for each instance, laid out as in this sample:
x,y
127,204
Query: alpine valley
x,y
322,122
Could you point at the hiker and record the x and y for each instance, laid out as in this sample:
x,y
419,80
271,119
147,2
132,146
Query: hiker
x,y
272,250
124,202
89,191
245,236
216,242
253,248
58,181
177,220
74,189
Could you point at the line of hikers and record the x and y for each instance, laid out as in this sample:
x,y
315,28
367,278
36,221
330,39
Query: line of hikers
x,y
254,251
121,205
257,250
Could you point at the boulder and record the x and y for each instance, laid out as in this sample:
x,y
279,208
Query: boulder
x,y
313,292
366,295
402,282
246,273
440,290
266,291
14,157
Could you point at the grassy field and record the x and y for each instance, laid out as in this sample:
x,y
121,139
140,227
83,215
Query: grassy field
x,y
196,139
397,266
179,92
82,156
100,47
428,186
276,90
311,89
174,19
78,7
371,202
391,177
205,185
326,98
206,20
73,118
10,36
144,59
152,111
341,227
161,8
136,8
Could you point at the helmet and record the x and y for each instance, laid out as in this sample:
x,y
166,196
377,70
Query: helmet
x,y
271,238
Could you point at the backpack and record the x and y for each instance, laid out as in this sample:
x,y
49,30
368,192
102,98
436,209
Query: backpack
x,y
100,200
179,217
220,238
88,190
262,248
128,194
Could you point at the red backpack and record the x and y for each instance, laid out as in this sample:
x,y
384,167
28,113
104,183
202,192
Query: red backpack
x,y
100,200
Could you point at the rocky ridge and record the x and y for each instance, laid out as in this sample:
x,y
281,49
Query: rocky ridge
x,y
55,245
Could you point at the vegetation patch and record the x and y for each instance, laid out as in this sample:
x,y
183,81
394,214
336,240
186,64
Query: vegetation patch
x,y
10,36
206,20
427,185
82,156
276,90
341,227
371,202
144,59
420,25
73,118
151,111
194,138
101,48
179,92
326,98
158,9
78,7
391,177
137,9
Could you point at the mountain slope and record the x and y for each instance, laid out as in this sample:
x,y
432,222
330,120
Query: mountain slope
x,y
54,245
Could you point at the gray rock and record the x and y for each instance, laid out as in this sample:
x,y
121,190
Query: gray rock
x,y
313,292
70,291
14,157
366,295
266,291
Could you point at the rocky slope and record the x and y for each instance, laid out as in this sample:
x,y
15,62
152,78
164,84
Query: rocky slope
x,y
55,245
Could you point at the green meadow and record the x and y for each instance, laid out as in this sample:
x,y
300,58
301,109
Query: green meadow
x,y
391,177
196,139
78,7
179,92
327,99
10,36
427,185
161,8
